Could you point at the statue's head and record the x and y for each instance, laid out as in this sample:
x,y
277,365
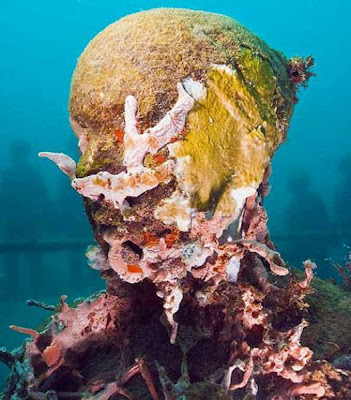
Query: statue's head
x,y
178,114
237,102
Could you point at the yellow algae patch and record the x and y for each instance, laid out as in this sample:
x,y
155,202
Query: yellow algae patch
x,y
228,144
175,209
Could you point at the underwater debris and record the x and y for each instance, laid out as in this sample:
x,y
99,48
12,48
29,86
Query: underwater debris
x,y
174,167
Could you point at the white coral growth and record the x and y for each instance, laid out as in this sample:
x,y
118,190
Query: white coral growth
x,y
172,296
96,258
66,164
115,188
137,145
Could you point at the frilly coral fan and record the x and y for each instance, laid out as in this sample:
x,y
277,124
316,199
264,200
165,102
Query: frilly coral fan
x,y
178,114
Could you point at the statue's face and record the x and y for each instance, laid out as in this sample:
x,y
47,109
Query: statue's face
x,y
208,153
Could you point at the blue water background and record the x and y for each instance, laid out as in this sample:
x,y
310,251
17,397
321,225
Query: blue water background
x,y
40,41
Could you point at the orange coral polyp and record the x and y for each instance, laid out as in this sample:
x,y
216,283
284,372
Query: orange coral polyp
x,y
119,133
171,238
159,159
150,239
51,354
134,269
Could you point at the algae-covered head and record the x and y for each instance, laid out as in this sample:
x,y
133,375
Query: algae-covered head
x,y
243,100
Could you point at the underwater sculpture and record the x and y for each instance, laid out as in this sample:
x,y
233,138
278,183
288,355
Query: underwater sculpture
x,y
178,114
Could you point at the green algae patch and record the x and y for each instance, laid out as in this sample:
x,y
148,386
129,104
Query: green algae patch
x,y
229,144
260,81
101,155
329,316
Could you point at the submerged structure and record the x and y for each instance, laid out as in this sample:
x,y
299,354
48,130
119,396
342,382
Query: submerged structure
x,y
178,114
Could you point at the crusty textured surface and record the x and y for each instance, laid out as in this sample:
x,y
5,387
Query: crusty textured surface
x,y
147,53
